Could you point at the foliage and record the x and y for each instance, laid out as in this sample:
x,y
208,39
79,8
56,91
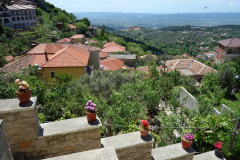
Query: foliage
x,y
81,27
226,77
85,21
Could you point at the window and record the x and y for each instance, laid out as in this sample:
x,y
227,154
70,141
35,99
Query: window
x,y
229,51
29,12
26,18
238,50
52,74
33,12
21,13
22,18
30,18
25,12
17,13
12,12
13,18
18,19
33,17
31,23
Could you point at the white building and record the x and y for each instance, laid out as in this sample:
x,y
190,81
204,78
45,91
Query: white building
x,y
18,16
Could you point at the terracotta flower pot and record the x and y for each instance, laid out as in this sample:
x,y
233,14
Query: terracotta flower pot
x,y
144,133
91,117
218,152
24,97
186,144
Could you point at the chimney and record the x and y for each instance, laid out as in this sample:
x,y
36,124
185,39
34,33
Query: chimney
x,y
46,56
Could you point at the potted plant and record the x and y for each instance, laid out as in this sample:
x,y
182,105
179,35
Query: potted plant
x,y
91,111
187,140
144,128
218,151
23,92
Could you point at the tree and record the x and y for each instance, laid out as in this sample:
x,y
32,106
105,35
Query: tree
x,y
103,31
38,11
82,27
62,18
226,77
85,21
40,20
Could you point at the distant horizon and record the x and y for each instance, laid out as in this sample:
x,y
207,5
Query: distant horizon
x,y
161,13
151,6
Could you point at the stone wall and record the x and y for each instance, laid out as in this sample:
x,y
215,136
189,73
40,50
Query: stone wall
x,y
141,152
5,150
190,101
25,135
130,146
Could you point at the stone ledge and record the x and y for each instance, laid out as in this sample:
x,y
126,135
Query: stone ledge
x,y
13,105
207,156
67,126
97,154
126,140
171,152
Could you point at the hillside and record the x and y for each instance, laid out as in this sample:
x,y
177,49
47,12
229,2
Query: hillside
x,y
179,40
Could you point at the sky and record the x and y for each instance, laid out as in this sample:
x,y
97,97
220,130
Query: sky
x,y
149,6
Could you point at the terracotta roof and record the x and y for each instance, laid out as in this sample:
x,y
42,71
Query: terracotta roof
x,y
45,47
103,54
113,44
113,49
112,64
63,45
89,48
16,65
233,42
65,40
8,58
38,59
189,67
78,36
72,26
70,56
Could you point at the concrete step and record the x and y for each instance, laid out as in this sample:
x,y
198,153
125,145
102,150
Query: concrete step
x,y
96,154
207,156
173,152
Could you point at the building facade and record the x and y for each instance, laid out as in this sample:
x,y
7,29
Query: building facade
x,y
228,50
18,16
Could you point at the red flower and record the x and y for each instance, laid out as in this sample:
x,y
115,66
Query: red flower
x,y
144,123
218,145
163,109
147,127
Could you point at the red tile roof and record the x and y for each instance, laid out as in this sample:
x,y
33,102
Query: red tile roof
x,y
72,26
112,49
70,56
63,45
16,65
89,48
38,59
149,56
112,64
45,47
65,40
103,54
78,36
233,42
193,66
113,44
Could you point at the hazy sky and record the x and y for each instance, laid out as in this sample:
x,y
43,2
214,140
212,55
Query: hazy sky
x,y
149,6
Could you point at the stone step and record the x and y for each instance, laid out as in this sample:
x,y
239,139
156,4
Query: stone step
x,y
207,156
131,146
96,154
173,152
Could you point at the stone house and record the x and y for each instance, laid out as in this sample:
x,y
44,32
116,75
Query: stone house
x,y
18,16
228,50
78,38
72,27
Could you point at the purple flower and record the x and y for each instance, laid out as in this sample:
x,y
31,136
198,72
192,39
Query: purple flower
x,y
89,101
87,107
94,105
92,108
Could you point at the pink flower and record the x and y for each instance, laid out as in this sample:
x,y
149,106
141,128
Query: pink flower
x,y
218,145
17,80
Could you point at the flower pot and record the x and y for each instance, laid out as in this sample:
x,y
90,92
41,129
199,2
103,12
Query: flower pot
x,y
24,97
186,144
91,117
218,152
144,133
